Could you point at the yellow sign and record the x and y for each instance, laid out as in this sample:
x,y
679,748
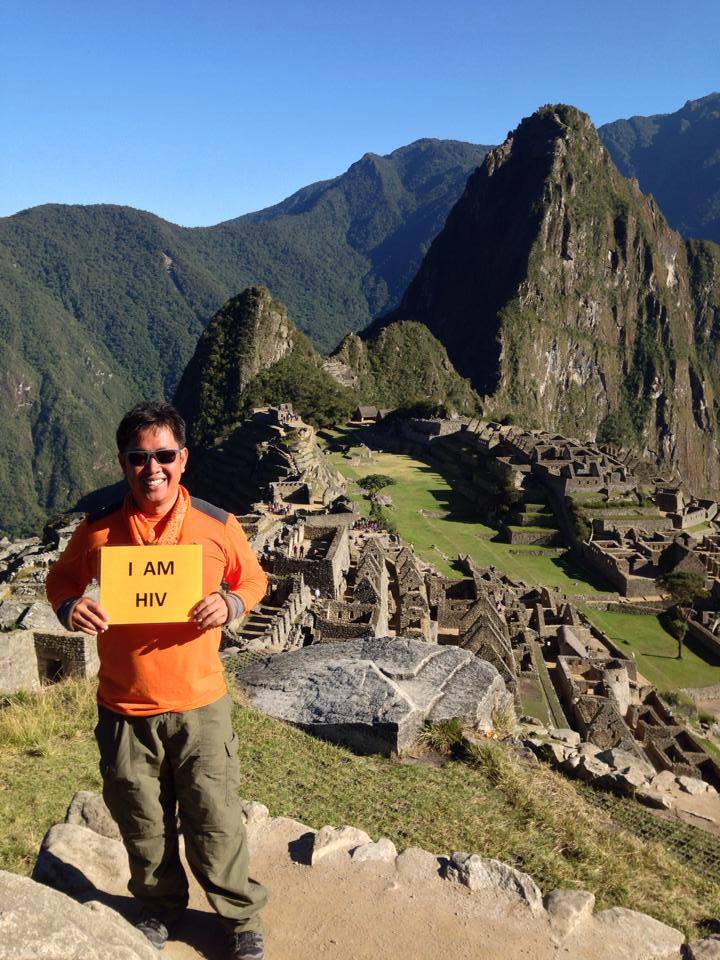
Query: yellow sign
x,y
150,584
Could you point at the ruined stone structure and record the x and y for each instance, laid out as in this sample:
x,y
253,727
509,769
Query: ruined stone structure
x,y
412,613
320,554
34,648
277,623
364,609
273,457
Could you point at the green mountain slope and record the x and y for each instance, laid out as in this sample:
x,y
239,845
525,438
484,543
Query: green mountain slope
x,y
402,364
251,354
676,157
135,291
559,289
57,386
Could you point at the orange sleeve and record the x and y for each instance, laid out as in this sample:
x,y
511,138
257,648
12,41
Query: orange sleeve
x,y
243,573
71,572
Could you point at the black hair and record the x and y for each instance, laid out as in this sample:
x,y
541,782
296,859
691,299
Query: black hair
x,y
149,414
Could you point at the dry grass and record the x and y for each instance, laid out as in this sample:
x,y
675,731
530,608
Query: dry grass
x,y
39,723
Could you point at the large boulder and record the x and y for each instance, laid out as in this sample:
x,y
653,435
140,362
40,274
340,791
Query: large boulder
x,y
375,694
78,860
42,923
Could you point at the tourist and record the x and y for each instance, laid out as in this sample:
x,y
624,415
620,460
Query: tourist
x,y
164,729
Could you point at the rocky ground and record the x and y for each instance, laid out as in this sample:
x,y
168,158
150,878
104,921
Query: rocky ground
x,y
680,797
333,893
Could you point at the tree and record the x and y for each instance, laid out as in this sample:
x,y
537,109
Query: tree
x,y
374,482
685,587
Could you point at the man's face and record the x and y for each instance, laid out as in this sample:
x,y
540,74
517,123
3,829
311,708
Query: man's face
x,y
154,485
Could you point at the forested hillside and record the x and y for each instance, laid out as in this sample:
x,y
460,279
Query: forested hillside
x,y
102,305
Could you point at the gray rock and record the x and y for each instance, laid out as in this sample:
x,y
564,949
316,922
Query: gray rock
x,y
567,909
587,749
590,769
708,949
477,873
18,662
653,798
10,612
570,764
45,924
384,849
40,616
663,781
627,781
622,760
375,693
554,752
658,940
570,737
254,812
332,840
692,785
89,810
75,859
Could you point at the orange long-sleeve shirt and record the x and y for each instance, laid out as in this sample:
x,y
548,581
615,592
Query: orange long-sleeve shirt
x,y
154,668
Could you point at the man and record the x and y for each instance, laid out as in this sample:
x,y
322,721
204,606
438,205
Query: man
x,y
164,731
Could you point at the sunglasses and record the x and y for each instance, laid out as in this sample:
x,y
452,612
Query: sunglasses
x,y
138,458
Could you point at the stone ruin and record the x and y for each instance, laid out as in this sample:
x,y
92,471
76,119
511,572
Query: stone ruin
x,y
34,648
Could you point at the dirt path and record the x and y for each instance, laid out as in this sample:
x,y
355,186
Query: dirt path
x,y
341,910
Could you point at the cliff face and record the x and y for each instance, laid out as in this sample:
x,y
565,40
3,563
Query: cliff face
x,y
563,294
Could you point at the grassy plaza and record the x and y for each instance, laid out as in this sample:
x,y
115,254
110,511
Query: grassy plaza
x,y
421,497
655,651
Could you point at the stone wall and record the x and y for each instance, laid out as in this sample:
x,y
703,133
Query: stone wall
x,y
705,637
606,565
75,653
18,663
327,573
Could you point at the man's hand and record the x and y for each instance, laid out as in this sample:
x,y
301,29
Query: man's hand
x,y
213,611
87,615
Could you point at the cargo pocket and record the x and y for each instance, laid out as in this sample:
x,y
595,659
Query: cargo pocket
x,y
108,734
232,769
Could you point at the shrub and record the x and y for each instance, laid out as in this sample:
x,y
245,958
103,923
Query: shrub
x,y
446,736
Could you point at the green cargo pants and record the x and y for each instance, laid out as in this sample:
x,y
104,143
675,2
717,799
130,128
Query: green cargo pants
x,y
153,767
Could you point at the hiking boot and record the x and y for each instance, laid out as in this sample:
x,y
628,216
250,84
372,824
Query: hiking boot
x,y
155,930
246,945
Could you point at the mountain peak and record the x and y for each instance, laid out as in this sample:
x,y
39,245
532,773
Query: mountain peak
x,y
562,293
249,334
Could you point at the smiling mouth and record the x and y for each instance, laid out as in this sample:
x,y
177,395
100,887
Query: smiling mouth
x,y
154,483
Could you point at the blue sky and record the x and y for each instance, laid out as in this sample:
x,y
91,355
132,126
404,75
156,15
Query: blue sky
x,y
203,111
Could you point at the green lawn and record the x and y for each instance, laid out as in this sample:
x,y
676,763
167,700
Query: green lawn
x,y
420,487
656,651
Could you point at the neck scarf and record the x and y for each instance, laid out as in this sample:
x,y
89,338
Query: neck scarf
x,y
142,532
